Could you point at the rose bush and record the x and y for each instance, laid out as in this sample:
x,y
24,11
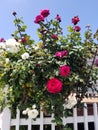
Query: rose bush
x,y
54,74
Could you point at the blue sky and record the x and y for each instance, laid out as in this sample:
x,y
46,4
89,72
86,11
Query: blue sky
x,y
87,10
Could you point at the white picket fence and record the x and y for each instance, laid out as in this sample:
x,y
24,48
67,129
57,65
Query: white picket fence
x,y
6,122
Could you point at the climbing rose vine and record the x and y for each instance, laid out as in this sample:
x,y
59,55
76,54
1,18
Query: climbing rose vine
x,y
52,75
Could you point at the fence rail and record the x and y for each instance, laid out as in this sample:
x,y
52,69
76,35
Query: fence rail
x,y
89,115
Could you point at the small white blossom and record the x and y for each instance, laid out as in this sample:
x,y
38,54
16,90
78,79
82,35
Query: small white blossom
x,y
27,109
25,56
71,102
24,112
7,60
34,106
33,113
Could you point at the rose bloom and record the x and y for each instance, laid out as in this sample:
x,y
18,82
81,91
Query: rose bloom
x,y
77,28
60,54
44,12
58,18
12,45
2,40
64,70
54,36
75,20
54,85
33,113
38,19
25,56
24,39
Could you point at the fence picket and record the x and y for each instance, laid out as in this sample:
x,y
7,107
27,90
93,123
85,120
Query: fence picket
x,y
85,117
95,116
6,122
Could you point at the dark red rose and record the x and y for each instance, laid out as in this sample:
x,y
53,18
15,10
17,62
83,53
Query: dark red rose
x,y
14,13
38,19
44,12
2,40
64,70
54,36
58,18
77,28
24,39
54,85
75,20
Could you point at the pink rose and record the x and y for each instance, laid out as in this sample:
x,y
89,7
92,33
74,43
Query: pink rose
x,y
75,20
58,18
54,86
60,54
44,12
64,70
54,36
39,18
77,28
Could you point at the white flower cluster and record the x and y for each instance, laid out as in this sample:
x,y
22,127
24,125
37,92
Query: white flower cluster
x,y
32,113
71,101
10,45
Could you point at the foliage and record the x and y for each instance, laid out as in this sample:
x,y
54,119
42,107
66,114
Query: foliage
x,y
53,72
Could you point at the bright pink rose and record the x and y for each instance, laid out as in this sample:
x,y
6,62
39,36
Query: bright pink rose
x,y
60,54
77,28
54,36
75,20
44,12
38,19
64,70
58,18
54,86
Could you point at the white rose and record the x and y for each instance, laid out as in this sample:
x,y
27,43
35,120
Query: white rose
x,y
12,45
71,101
33,113
25,56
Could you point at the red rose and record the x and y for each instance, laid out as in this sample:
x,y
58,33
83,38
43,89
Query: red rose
x,y
58,18
60,54
39,18
77,28
54,36
75,20
44,12
54,86
64,70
